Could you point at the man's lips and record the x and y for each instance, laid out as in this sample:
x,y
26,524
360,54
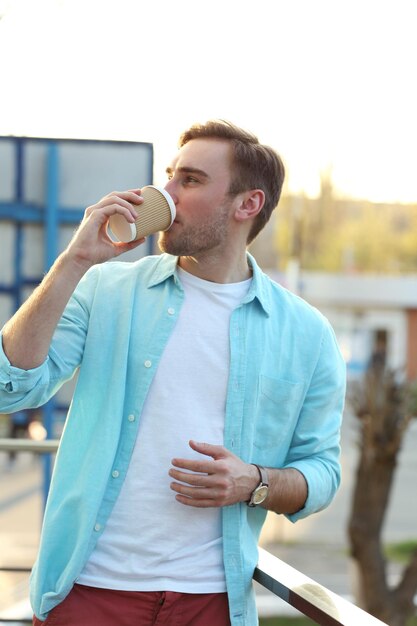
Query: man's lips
x,y
174,223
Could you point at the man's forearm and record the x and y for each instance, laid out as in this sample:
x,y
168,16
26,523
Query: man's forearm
x,y
28,334
287,491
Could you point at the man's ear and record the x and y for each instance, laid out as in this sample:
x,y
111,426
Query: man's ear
x,y
251,203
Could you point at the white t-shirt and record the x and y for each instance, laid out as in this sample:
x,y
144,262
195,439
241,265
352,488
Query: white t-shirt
x,y
152,542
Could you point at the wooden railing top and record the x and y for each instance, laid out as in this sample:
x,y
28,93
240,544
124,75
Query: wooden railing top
x,y
307,596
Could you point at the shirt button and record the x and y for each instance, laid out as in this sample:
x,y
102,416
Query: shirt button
x,y
115,474
148,364
171,311
131,418
97,527
232,562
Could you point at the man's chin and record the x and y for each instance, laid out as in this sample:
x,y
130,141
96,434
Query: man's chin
x,y
167,246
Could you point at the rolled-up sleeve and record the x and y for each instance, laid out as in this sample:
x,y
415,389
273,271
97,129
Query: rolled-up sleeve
x,y
23,389
14,380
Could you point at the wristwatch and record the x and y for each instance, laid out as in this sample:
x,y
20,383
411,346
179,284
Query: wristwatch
x,y
259,494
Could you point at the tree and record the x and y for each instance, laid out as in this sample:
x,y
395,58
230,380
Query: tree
x,y
384,406
343,234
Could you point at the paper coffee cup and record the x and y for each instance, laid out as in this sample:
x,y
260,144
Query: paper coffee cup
x,y
157,212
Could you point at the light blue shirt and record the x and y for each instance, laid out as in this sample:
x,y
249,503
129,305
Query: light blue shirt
x,y
284,405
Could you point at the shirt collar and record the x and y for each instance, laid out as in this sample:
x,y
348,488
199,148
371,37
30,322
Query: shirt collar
x,y
164,269
259,288
167,268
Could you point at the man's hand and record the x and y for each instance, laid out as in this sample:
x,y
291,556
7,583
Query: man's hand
x,y
91,243
220,480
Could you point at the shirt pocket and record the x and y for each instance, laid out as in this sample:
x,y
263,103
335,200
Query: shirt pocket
x,y
278,407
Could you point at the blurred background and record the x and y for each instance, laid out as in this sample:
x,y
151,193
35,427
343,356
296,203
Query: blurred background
x,y
94,96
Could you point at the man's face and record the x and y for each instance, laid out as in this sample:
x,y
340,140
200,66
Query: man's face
x,y
199,179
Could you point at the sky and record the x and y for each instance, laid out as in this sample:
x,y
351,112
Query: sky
x,y
330,84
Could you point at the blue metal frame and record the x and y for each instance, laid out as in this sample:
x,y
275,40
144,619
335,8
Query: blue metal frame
x,y
51,216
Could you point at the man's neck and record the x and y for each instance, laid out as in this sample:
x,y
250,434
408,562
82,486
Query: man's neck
x,y
215,270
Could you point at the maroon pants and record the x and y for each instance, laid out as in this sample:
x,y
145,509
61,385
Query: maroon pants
x,y
91,606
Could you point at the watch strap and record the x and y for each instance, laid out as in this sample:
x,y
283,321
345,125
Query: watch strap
x,y
263,474
262,486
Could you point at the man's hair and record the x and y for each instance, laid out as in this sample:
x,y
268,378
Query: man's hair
x,y
254,165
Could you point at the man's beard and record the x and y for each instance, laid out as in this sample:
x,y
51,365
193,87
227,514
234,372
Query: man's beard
x,y
196,239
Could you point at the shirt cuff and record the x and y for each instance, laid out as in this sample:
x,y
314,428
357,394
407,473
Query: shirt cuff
x,y
321,484
13,379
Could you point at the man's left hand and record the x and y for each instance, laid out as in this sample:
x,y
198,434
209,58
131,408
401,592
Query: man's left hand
x,y
222,480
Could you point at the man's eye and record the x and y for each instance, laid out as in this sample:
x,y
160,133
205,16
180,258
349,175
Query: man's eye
x,y
190,179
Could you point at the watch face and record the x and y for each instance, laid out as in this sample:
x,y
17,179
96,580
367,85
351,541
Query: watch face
x,y
260,494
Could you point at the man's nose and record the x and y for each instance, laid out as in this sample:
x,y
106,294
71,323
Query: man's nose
x,y
170,187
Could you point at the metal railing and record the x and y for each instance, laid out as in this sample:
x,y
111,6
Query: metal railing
x,y
45,446
302,593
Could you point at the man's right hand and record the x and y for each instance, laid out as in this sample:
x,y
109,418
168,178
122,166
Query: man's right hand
x,y
91,243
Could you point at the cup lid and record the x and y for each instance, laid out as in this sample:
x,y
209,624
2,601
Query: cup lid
x,y
169,199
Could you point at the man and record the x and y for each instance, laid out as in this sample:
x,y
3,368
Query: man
x,y
206,395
